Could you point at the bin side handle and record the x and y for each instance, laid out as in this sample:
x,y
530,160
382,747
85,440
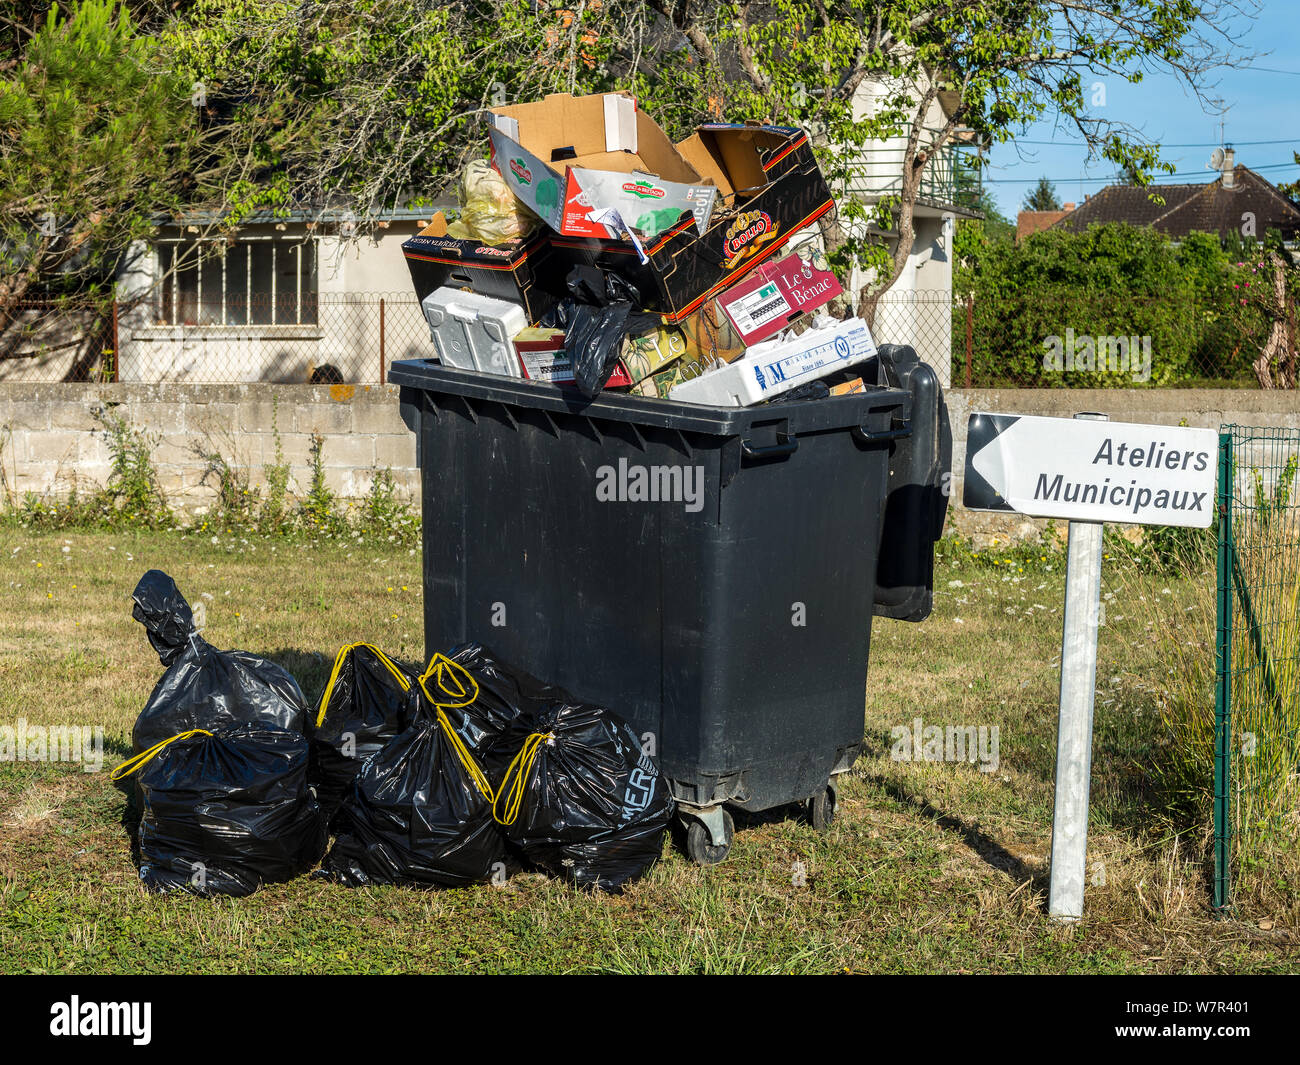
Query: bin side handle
x,y
896,431
786,444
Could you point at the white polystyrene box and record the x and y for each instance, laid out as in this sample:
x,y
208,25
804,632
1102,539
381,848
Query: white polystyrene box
x,y
774,367
473,332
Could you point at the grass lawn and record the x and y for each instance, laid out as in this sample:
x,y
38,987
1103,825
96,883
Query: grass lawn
x,y
929,867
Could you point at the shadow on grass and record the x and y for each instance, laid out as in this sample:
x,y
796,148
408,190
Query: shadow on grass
x,y
990,851
130,820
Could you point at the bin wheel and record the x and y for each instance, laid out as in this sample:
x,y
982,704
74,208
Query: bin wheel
x,y
699,844
821,808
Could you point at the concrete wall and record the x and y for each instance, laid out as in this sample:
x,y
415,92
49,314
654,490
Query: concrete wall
x,y
51,439
49,436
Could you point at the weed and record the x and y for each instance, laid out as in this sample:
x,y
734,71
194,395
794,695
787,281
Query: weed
x,y
271,519
1020,556
319,510
236,505
384,515
132,493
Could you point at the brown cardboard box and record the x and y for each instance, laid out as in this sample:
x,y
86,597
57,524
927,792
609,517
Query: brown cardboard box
x,y
568,157
770,188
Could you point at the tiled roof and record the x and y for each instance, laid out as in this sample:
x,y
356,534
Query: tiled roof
x,y
1209,208
1028,222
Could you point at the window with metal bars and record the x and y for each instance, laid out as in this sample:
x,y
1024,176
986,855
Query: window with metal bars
x,y
249,281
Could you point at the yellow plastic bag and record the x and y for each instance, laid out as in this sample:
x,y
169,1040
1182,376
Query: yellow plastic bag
x,y
489,211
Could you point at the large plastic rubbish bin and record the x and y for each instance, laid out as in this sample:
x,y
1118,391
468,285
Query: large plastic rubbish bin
x,y
708,573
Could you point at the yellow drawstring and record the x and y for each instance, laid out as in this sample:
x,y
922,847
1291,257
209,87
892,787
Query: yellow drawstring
x,y
466,759
515,781
444,670
338,666
132,764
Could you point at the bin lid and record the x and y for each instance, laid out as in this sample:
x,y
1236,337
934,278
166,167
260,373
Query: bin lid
x,y
876,405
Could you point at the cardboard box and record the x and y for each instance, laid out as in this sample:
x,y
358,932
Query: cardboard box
x,y
543,358
710,335
585,164
686,368
849,388
776,366
516,270
778,292
647,353
770,187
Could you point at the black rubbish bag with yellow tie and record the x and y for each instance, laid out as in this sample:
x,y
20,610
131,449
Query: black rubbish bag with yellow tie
x,y
420,810
204,687
227,810
580,798
368,700
500,694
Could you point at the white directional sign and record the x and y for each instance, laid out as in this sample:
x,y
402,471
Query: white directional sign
x,y
1087,470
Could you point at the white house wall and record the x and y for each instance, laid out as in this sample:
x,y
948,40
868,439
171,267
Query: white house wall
x,y
351,277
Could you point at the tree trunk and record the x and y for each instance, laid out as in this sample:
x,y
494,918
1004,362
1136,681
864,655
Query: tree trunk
x,y
869,295
832,240
1276,351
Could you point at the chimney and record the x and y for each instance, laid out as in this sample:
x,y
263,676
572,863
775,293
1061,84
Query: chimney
x,y
1228,170
1067,207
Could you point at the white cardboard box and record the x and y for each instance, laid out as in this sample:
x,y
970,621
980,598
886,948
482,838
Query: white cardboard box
x,y
774,367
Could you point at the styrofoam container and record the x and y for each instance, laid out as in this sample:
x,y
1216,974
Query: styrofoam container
x,y
473,332
774,367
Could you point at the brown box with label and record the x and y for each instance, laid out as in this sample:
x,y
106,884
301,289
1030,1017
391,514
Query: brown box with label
x,y
770,187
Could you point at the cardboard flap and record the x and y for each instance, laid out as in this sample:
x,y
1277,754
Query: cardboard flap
x,y
659,156
736,151
584,123
620,123
508,126
436,228
702,158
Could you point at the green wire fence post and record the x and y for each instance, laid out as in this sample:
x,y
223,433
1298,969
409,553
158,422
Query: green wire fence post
x,y
1223,681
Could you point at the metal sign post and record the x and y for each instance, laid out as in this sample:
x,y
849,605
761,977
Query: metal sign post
x,y
1074,723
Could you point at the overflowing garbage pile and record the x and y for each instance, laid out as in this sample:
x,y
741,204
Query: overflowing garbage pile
x,y
458,775
594,253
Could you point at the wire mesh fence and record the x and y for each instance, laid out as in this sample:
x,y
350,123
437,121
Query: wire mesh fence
x,y
294,338
1257,695
1018,341
1039,340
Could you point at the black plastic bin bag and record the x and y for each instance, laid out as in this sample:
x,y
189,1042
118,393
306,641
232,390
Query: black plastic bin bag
x,y
203,687
482,697
367,701
419,813
581,799
599,313
226,811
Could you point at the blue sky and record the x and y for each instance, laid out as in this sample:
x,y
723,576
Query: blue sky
x,y
1263,107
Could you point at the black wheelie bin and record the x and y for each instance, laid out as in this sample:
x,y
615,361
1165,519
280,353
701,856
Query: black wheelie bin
x,y
708,573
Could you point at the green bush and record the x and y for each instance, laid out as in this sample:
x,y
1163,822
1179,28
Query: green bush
x,y
1109,282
